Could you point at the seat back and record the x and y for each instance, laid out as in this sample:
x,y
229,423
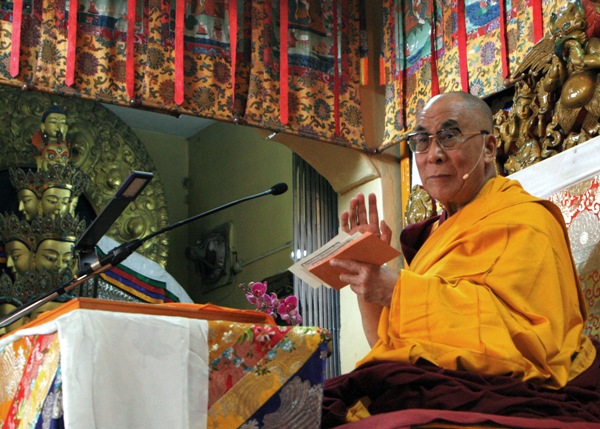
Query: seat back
x,y
580,205
571,180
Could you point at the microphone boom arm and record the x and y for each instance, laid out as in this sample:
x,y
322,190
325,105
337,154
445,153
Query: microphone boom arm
x,y
118,255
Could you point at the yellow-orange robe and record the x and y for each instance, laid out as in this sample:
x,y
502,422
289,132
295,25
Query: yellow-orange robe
x,y
493,290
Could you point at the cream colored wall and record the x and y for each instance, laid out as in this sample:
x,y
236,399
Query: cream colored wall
x,y
349,172
170,157
225,162
228,162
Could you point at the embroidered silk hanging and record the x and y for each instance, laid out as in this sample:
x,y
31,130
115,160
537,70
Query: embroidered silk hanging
x,y
503,47
283,62
233,30
71,42
16,37
435,88
179,51
462,46
538,26
130,55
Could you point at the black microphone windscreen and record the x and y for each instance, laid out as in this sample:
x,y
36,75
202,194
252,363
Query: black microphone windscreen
x,y
279,189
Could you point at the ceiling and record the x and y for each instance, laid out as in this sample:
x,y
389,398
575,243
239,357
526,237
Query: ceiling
x,y
181,126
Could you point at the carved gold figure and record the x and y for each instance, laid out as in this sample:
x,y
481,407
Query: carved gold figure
x,y
560,77
50,141
420,205
19,243
56,236
27,184
59,153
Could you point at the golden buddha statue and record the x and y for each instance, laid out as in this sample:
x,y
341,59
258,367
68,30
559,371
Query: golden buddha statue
x,y
51,146
60,190
19,243
27,184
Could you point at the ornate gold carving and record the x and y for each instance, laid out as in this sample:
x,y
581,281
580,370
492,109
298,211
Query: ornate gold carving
x,y
556,104
102,147
420,205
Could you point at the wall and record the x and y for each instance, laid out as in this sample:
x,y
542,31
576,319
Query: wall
x,y
170,154
228,162
225,162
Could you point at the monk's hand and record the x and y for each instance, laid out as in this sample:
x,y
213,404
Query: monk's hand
x,y
360,218
373,283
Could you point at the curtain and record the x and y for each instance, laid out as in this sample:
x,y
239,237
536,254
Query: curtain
x,y
294,65
466,39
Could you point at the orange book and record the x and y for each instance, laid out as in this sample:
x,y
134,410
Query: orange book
x,y
367,248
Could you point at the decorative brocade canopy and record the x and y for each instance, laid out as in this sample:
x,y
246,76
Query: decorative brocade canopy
x,y
292,66
185,56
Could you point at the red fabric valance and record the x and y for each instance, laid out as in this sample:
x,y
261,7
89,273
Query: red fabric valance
x,y
284,66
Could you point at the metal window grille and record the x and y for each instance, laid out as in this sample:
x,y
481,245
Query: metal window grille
x,y
315,223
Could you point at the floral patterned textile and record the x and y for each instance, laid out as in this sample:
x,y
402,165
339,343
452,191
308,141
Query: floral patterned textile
x,y
260,376
22,408
323,52
580,206
407,50
276,372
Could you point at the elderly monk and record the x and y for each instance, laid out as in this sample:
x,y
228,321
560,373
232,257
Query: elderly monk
x,y
490,286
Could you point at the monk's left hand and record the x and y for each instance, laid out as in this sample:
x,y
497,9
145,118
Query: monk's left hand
x,y
374,283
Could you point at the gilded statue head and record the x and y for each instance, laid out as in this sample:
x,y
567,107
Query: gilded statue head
x,y
56,236
61,186
54,125
27,184
55,201
53,149
19,242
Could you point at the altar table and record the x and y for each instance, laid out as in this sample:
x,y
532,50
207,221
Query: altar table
x,y
111,366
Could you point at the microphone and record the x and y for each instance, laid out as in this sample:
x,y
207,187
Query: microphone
x,y
118,255
466,175
279,189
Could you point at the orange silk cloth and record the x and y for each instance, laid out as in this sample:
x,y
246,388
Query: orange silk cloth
x,y
493,290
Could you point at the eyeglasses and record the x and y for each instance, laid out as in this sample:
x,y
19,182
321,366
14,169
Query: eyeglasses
x,y
448,139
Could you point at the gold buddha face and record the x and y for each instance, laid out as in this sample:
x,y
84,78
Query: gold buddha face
x,y
54,255
55,127
28,203
55,201
19,257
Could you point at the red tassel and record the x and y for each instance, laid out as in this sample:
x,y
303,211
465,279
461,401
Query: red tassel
x,y
435,86
283,63
15,53
462,46
364,49
538,24
503,44
71,43
179,51
233,29
336,72
130,50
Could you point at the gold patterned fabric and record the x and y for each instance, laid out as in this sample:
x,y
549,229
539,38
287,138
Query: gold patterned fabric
x,y
323,53
406,51
260,375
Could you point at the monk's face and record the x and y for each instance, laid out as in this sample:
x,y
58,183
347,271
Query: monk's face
x,y
19,256
54,255
55,201
443,171
28,203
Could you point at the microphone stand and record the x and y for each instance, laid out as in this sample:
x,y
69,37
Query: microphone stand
x,y
118,255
